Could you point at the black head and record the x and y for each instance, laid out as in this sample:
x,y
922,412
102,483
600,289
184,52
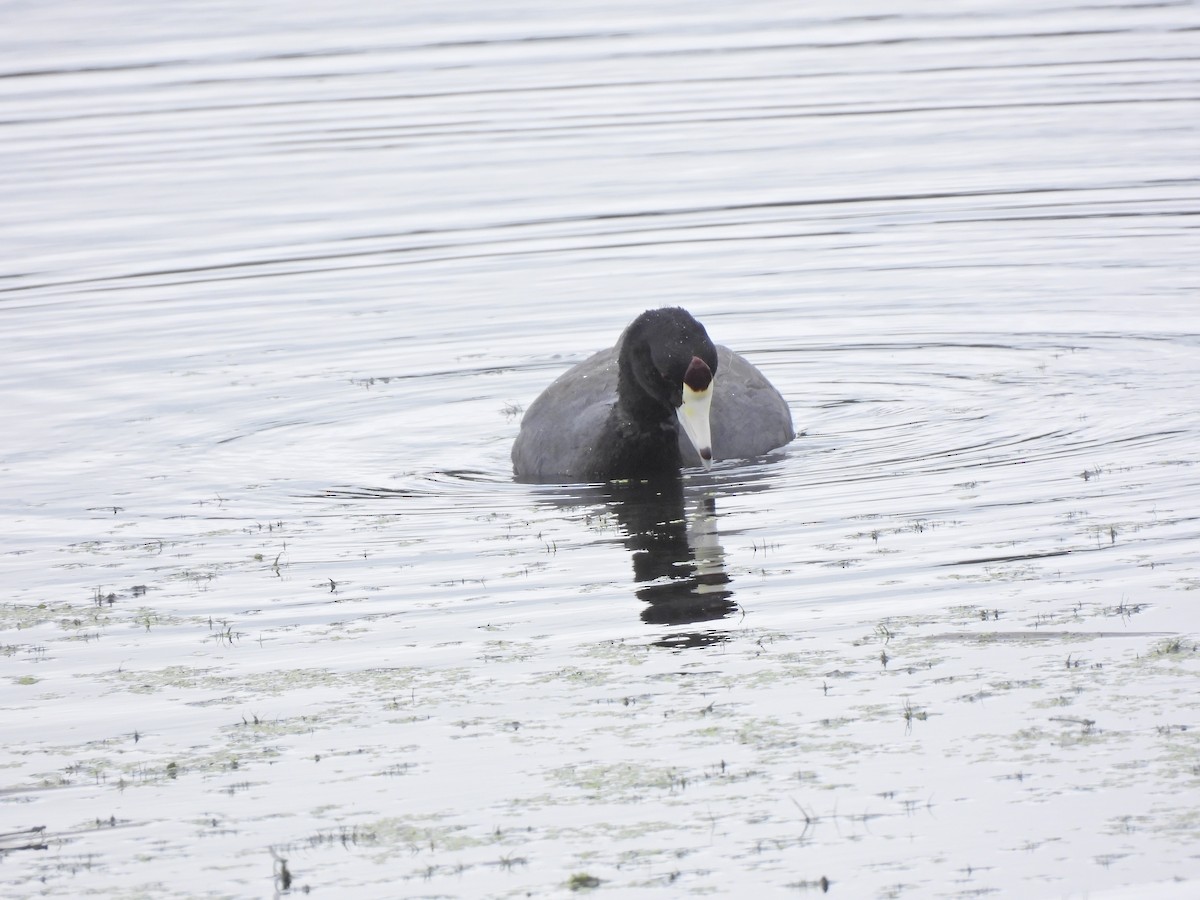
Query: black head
x,y
665,376
664,349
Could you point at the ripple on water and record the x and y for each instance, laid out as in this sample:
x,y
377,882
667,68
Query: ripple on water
x,y
274,296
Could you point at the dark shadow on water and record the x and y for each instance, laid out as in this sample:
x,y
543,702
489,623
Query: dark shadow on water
x,y
678,561
669,526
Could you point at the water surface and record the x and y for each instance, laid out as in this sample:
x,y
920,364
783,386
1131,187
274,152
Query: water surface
x,y
277,287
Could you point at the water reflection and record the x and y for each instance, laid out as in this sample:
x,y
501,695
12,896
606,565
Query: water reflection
x,y
677,556
669,526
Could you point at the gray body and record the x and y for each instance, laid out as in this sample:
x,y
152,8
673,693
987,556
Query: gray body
x,y
748,417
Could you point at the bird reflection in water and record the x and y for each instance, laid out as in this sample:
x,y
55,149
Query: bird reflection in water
x,y
678,561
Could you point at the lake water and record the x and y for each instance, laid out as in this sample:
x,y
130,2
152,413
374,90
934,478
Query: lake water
x,y
276,286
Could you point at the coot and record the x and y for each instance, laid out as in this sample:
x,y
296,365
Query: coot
x,y
663,397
